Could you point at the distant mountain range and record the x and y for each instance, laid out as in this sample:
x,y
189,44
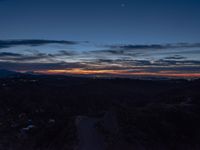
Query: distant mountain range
x,y
6,73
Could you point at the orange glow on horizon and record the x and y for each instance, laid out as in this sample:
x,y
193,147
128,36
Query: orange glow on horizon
x,y
79,71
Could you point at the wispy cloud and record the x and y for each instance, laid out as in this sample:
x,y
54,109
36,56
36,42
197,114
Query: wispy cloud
x,y
8,54
180,58
153,46
33,42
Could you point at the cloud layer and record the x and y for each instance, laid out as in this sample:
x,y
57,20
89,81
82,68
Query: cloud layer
x,y
71,57
11,43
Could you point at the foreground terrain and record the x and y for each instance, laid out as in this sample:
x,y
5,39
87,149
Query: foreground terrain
x,y
72,113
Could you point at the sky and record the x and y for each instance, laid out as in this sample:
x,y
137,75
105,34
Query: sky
x,y
101,37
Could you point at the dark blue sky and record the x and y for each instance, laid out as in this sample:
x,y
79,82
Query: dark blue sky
x,y
102,21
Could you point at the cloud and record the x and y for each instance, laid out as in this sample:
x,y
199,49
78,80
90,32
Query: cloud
x,y
163,62
125,59
35,56
8,54
176,57
111,51
115,67
33,42
66,53
153,46
20,58
134,47
39,66
150,54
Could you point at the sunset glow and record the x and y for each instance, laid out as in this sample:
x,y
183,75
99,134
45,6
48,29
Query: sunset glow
x,y
45,57
79,71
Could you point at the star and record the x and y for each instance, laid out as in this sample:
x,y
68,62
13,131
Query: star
x,y
123,5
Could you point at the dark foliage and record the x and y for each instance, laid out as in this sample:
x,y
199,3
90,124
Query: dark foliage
x,y
38,112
